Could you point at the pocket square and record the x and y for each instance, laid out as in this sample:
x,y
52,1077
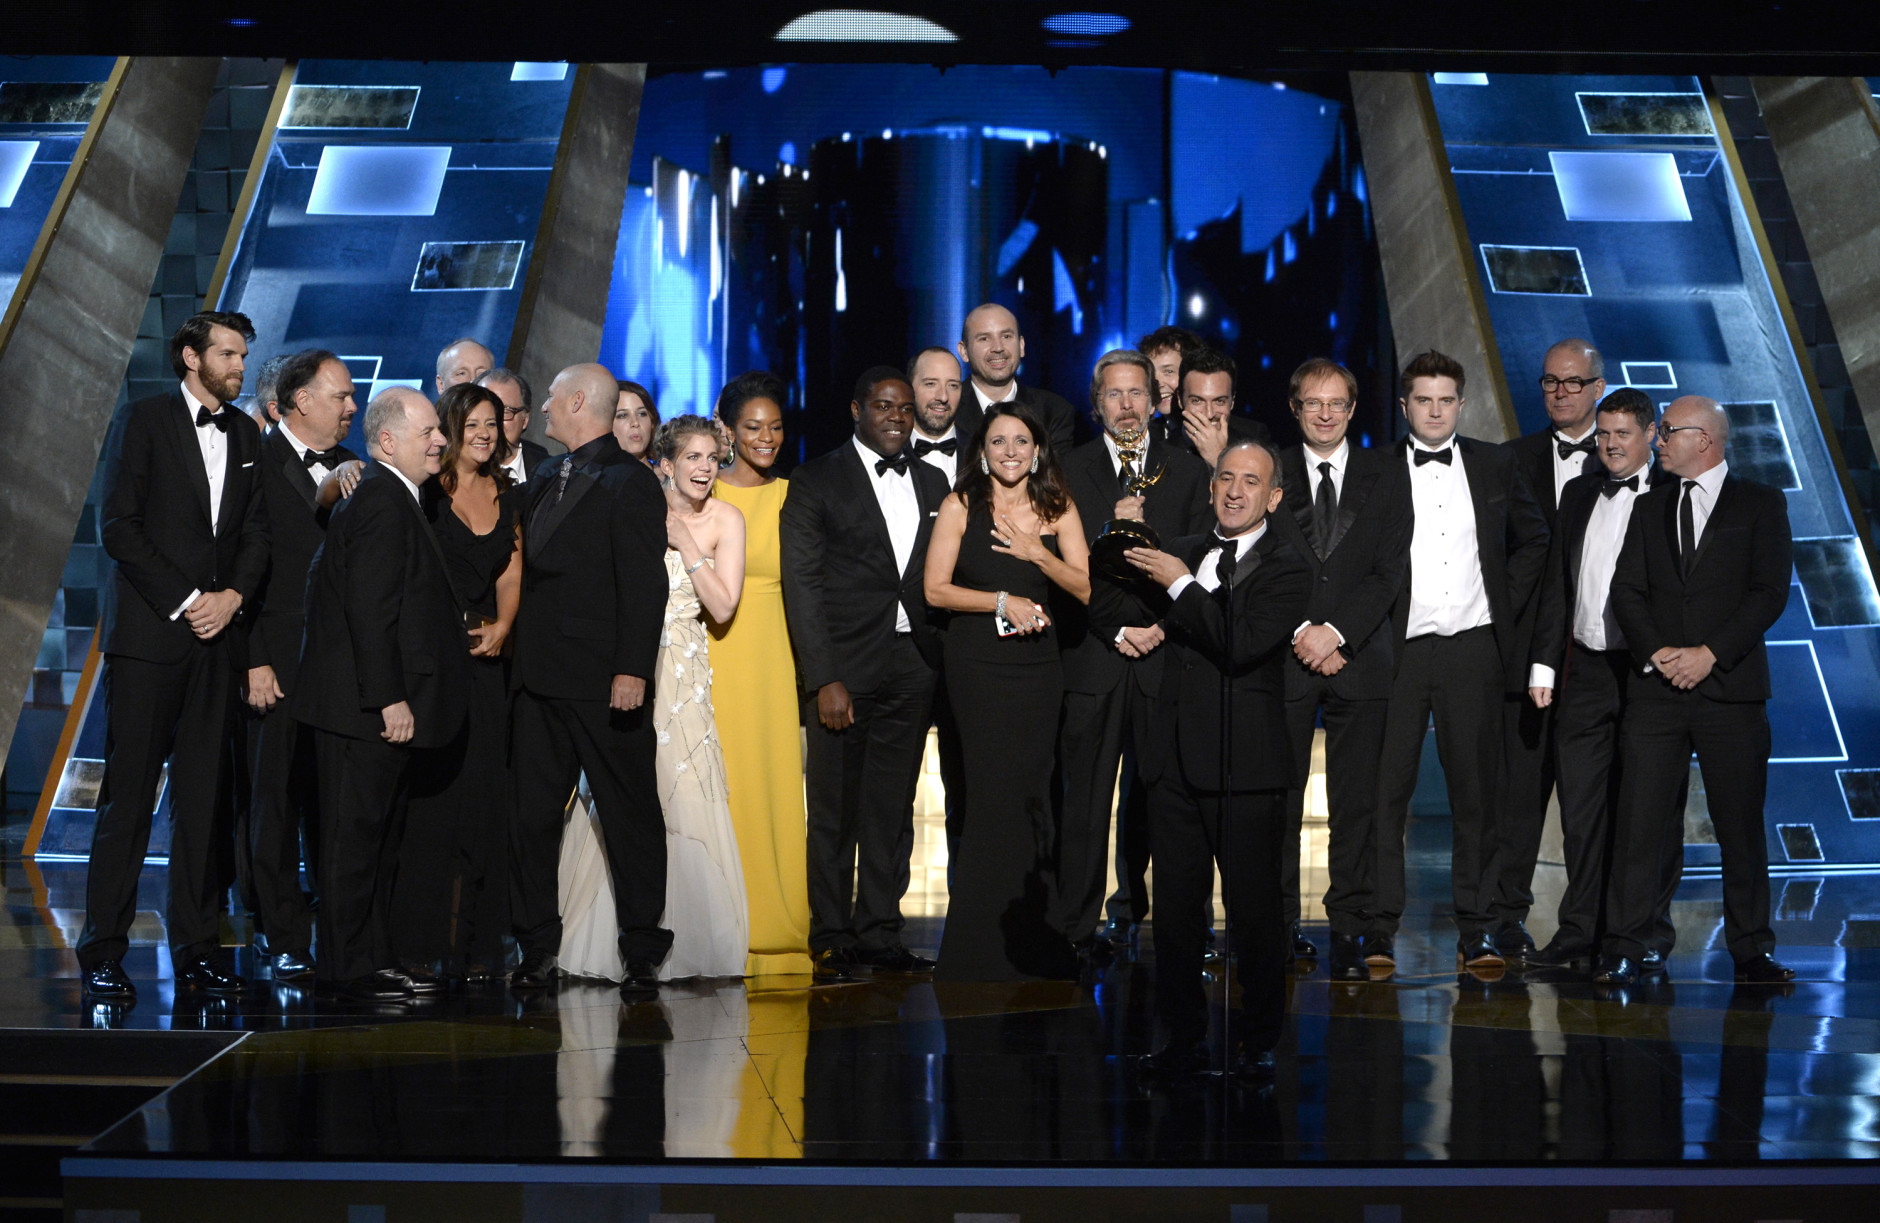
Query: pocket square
x,y
249,463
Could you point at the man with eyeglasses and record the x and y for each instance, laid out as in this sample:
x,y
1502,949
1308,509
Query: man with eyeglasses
x,y
1476,551
1572,383
1703,574
1113,660
1348,514
518,401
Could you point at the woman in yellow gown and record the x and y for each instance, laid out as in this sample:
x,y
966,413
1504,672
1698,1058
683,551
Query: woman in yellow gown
x,y
754,690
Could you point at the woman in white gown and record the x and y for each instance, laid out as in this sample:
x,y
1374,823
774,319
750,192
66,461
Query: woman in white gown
x,y
705,902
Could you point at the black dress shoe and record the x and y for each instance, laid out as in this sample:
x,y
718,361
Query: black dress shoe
x,y
1556,955
893,959
1379,950
1177,1059
1302,947
289,965
420,981
1477,951
107,981
1514,942
377,988
642,977
201,973
1652,961
1348,959
834,964
1249,1064
1615,970
537,971
1763,970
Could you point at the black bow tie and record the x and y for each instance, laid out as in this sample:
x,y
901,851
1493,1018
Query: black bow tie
x,y
922,446
219,419
317,458
898,463
1434,456
1586,447
1611,487
1228,562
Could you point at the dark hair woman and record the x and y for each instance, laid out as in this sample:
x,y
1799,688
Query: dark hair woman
x,y
636,418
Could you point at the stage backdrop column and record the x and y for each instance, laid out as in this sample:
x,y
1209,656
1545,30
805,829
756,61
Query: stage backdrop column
x,y
564,296
1430,275
66,338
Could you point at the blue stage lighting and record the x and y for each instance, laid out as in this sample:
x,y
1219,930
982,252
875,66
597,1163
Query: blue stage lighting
x,y
525,71
379,181
16,158
773,79
1619,186
1088,24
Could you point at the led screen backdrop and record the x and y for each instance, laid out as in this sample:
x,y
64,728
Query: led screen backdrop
x,y
818,219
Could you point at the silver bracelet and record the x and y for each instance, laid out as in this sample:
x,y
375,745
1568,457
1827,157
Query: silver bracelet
x,y
694,569
999,611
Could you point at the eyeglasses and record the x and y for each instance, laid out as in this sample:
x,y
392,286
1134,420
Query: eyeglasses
x,y
510,413
1317,405
1573,386
1665,431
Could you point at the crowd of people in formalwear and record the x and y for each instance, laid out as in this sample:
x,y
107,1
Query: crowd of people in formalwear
x,y
645,709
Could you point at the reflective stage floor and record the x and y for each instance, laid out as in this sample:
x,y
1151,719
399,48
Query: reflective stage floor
x,y
1417,1095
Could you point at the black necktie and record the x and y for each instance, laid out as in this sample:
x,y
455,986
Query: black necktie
x,y
1324,508
1687,530
1224,568
1434,456
322,458
923,447
562,476
898,463
205,417
1587,447
1611,487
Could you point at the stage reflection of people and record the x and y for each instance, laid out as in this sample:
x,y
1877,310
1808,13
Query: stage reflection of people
x,y
754,687
1005,543
1236,595
636,420
451,903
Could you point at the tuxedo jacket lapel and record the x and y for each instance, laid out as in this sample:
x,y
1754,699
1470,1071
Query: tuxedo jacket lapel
x,y
279,450
1357,491
579,484
1720,516
861,479
183,436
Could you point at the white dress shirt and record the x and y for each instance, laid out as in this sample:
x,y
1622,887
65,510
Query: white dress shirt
x,y
1594,625
1207,572
1704,499
894,492
319,471
1447,594
947,465
213,445
1571,466
517,471
1011,393
1339,459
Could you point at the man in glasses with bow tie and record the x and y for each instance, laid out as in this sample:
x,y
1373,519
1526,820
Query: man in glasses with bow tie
x,y
1476,552
1573,378
314,392
185,525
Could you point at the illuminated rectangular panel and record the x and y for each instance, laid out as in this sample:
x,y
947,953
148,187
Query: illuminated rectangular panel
x,y
1860,790
1648,375
1644,114
16,158
1799,842
1619,186
1836,584
1803,726
379,180
1460,78
364,370
385,107
457,266
1759,446
35,102
1536,269
524,71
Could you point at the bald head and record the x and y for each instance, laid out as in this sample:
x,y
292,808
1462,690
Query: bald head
x,y
991,347
1594,364
1692,436
580,404
402,432
464,360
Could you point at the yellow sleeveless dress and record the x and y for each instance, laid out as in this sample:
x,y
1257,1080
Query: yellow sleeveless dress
x,y
755,700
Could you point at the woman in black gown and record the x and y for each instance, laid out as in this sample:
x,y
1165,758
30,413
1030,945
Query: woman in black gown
x,y
1004,543
453,877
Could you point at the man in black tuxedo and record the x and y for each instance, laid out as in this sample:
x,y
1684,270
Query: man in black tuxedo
x,y
1349,516
1572,383
463,360
593,602
1579,663
518,402
1218,769
316,394
1204,421
992,349
384,677
855,531
185,526
1108,693
934,374
1476,552
1703,574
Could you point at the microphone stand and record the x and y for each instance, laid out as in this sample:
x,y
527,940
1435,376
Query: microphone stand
x,y
1225,854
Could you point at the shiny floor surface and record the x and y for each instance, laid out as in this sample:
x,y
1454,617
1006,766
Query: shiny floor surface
x,y
1428,1065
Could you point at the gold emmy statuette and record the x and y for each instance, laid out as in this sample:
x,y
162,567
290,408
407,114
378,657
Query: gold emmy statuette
x,y
1121,534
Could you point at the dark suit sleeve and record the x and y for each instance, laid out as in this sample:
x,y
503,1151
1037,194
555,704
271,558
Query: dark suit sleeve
x,y
1275,606
804,541
1631,588
1772,561
1200,510
1369,602
1549,647
251,553
1527,540
379,535
127,468
638,529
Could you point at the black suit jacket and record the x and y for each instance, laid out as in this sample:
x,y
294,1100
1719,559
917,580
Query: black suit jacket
x,y
1534,456
1736,592
840,583
534,454
593,575
1360,574
1060,419
1175,506
1511,539
1560,581
156,525
277,619
1269,600
382,623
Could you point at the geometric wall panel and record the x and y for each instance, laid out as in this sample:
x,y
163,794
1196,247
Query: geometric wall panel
x,y
1759,449
1619,186
445,266
1535,269
1644,114
386,107
1835,582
